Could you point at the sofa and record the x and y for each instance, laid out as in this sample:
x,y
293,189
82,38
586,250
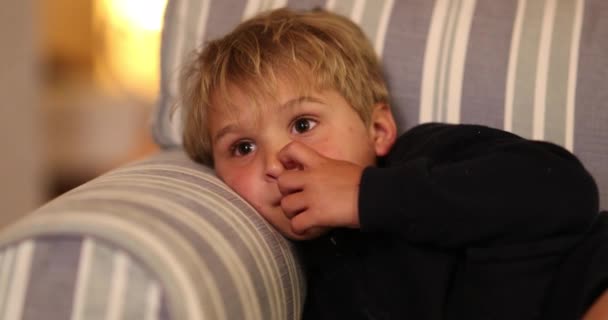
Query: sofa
x,y
164,238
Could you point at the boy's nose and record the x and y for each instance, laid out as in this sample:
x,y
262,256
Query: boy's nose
x,y
274,167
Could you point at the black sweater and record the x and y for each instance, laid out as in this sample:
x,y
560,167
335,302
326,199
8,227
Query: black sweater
x,y
458,222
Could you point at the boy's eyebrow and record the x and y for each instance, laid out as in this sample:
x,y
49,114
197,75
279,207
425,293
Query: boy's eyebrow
x,y
295,101
289,104
224,131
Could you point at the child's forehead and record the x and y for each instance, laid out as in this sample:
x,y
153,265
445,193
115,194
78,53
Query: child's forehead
x,y
261,98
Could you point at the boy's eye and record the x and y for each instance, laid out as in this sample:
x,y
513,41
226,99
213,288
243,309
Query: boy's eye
x,y
302,125
242,148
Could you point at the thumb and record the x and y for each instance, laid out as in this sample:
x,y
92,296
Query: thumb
x,y
297,155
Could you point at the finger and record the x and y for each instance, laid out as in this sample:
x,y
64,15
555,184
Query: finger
x,y
290,182
293,204
303,222
297,155
315,232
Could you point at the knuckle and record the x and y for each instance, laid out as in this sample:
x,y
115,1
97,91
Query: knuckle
x,y
284,203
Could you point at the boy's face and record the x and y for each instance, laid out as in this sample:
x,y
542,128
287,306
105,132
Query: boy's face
x,y
246,141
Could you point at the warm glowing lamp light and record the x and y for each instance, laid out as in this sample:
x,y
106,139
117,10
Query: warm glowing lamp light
x,y
141,14
132,39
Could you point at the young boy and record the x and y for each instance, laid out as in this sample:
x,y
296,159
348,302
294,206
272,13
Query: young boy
x,y
446,221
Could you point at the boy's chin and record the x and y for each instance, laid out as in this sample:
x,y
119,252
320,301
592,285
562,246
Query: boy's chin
x,y
309,234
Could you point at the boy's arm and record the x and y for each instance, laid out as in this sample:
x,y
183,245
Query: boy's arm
x,y
457,185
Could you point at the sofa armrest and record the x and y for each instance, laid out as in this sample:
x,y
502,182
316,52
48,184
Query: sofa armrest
x,y
162,237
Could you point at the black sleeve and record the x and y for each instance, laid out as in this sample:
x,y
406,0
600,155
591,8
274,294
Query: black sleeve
x,y
459,185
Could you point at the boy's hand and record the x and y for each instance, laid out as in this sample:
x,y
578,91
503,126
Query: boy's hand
x,y
322,193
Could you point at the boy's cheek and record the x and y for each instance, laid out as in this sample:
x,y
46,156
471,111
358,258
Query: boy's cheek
x,y
240,184
246,188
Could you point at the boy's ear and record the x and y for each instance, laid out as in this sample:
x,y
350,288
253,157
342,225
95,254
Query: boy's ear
x,y
383,129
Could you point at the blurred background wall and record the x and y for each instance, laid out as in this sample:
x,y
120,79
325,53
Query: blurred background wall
x,y
21,177
78,82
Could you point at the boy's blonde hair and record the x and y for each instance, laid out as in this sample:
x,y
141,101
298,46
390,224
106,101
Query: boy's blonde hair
x,y
314,50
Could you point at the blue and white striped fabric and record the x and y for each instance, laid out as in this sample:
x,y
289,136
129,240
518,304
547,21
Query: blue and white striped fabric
x,y
538,68
75,277
160,239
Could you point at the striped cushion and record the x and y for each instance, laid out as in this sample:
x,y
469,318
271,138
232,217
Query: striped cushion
x,y
538,68
75,277
160,239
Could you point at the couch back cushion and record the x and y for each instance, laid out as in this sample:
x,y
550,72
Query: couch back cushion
x,y
536,68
